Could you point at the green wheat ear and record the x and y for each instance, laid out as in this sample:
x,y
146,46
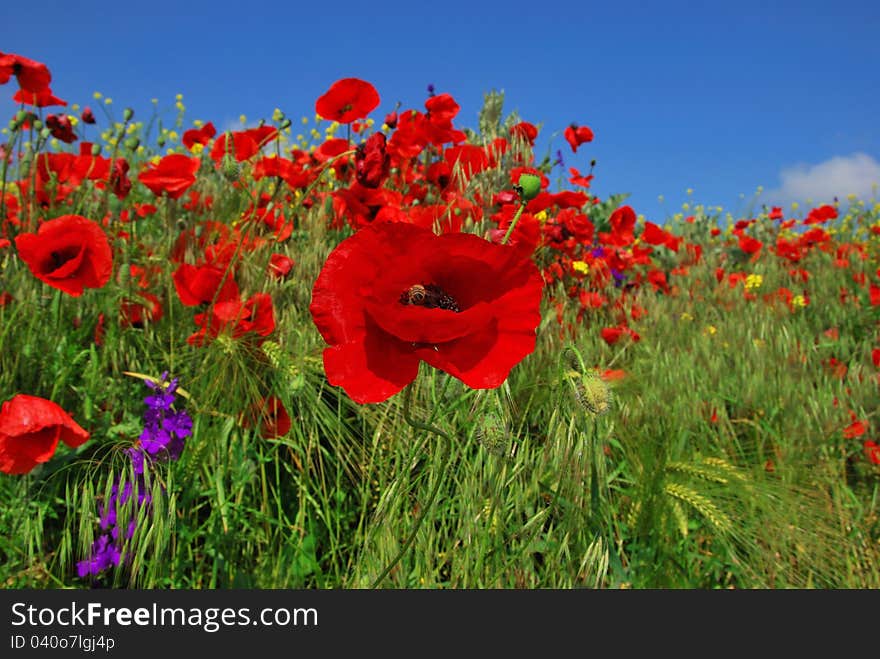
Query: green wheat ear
x,y
701,504
282,362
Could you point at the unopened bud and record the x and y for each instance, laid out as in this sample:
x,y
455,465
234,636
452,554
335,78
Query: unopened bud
x,y
230,168
591,392
492,434
127,114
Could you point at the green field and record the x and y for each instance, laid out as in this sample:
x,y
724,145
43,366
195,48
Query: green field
x,y
719,433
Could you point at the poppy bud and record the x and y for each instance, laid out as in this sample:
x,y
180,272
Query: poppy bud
x,y
45,133
127,114
96,149
591,392
229,168
87,116
285,124
492,434
528,187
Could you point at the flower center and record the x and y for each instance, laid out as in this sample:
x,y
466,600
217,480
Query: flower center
x,y
430,296
62,256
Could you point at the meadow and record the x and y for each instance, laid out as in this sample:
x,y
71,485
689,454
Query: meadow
x,y
343,350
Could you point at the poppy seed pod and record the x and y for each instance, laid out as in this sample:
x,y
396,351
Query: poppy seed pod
x,y
528,186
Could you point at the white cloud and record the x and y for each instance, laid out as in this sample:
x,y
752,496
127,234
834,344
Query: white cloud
x,y
836,177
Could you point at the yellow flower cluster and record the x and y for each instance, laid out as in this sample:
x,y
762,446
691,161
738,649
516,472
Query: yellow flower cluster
x,y
754,281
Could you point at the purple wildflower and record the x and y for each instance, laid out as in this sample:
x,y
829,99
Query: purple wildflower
x,y
162,439
104,555
559,161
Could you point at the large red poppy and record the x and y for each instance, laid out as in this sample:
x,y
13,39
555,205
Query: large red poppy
x,y
30,429
395,294
69,253
347,100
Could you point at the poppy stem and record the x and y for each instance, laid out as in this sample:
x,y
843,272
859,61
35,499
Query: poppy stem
x,y
513,222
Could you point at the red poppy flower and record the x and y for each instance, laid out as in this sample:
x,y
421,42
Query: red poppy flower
x,y
750,245
372,162
525,131
395,294
577,178
61,128
30,429
290,172
32,76
623,222
872,451
856,429
654,235
201,135
612,335
69,253
173,175
256,316
197,285
821,215
280,265
347,100
272,417
576,135
134,313
41,99
245,143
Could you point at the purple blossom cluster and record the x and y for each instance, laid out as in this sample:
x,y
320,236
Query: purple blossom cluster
x,y
162,440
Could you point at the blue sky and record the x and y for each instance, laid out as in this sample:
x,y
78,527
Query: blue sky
x,y
721,99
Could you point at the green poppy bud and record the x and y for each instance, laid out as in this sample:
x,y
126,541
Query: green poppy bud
x,y
230,168
492,434
96,149
127,114
528,187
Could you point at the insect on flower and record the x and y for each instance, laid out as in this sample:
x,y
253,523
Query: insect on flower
x,y
429,296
